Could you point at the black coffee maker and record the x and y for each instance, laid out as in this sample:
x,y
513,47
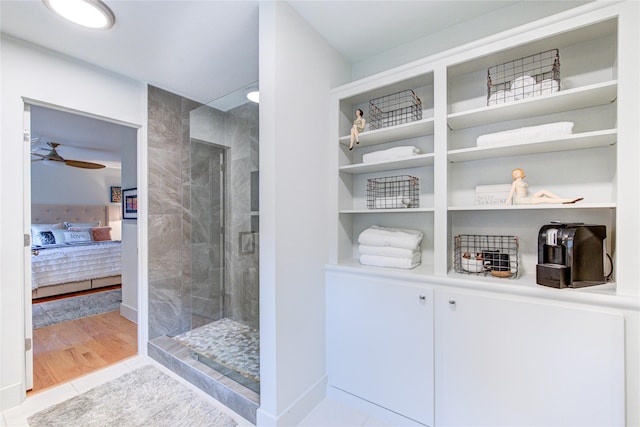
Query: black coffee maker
x,y
571,255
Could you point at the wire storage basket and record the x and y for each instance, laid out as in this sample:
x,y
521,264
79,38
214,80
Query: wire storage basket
x,y
486,255
393,192
395,109
526,77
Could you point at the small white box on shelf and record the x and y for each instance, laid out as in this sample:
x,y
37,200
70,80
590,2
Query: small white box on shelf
x,y
492,194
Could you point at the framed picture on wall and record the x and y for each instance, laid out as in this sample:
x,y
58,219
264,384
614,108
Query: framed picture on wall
x,y
130,203
116,194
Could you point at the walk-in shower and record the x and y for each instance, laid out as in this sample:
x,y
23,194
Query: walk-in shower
x,y
224,231
204,271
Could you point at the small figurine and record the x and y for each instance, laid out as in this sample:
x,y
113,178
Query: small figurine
x,y
519,195
358,126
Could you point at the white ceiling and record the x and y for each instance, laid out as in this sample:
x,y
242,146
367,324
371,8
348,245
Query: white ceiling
x,y
362,29
206,49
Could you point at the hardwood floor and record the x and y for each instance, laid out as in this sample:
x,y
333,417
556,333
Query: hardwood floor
x,y
68,350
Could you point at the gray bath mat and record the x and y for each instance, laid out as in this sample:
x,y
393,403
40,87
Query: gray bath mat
x,y
63,310
145,397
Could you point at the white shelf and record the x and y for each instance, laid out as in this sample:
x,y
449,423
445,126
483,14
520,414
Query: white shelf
x,y
374,211
393,133
579,205
564,100
410,162
578,141
424,270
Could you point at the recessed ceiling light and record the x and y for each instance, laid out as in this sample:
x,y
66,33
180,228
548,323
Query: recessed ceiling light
x,y
254,96
88,13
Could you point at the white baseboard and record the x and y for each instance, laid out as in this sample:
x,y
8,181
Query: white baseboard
x,y
298,410
11,396
129,312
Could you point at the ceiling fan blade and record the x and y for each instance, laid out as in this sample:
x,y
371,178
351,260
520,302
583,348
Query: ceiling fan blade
x,y
83,165
44,156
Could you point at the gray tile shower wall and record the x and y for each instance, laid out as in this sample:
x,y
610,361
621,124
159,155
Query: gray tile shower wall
x,y
166,205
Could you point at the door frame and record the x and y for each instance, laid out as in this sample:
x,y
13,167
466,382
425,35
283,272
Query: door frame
x,y
141,261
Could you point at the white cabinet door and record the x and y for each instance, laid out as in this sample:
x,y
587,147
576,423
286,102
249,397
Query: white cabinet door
x,y
380,343
507,362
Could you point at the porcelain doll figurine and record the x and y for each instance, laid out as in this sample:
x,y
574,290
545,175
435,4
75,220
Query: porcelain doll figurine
x,y
519,196
358,126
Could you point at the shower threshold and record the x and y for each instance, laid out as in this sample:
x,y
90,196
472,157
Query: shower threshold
x,y
226,371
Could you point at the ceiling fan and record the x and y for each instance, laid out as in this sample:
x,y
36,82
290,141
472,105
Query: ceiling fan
x,y
53,156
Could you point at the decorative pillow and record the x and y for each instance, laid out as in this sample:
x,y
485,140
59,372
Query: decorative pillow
x,y
89,224
46,238
36,228
101,233
79,228
58,234
77,236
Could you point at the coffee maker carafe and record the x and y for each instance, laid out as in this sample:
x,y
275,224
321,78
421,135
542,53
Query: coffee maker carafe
x,y
571,255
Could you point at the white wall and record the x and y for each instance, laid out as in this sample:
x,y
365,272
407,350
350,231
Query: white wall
x,y
491,23
69,84
74,186
297,70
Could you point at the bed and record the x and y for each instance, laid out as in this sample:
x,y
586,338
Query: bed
x,y
72,249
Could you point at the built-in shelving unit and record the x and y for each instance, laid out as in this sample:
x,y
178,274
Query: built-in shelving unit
x,y
596,161
450,166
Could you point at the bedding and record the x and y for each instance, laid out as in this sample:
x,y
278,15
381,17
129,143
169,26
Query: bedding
x,y
72,249
73,262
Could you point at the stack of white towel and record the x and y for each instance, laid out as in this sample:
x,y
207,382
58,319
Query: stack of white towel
x,y
394,153
390,247
524,87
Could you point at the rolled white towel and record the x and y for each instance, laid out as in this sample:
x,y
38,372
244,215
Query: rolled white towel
x,y
528,133
383,261
387,251
523,87
546,87
391,154
501,97
396,237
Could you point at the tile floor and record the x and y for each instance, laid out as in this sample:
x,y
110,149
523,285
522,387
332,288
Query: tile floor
x,y
328,413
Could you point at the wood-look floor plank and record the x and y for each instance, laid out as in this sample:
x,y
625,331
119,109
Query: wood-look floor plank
x,y
68,350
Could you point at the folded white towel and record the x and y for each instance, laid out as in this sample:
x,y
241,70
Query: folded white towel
x,y
501,97
523,87
392,202
528,133
390,154
546,87
387,251
383,261
396,237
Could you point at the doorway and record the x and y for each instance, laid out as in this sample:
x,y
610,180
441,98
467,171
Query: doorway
x,y
78,162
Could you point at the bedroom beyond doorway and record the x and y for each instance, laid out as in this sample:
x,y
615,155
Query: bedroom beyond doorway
x,y
82,276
